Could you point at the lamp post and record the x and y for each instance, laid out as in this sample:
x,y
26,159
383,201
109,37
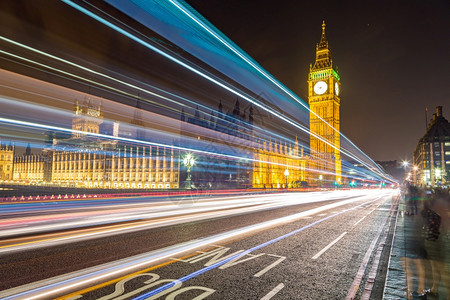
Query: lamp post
x,y
405,164
189,161
320,178
286,173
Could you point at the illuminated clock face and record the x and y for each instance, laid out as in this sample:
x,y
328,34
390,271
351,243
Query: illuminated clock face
x,y
336,88
320,87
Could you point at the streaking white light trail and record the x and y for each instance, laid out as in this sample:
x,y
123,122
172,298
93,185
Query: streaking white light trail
x,y
123,139
67,283
145,215
222,85
91,81
15,105
190,13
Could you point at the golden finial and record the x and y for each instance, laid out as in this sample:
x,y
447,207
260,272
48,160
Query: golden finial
x,y
323,27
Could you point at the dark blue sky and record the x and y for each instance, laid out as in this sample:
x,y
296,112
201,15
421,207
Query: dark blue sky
x,y
393,58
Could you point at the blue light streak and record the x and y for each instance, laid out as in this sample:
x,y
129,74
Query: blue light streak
x,y
168,16
223,85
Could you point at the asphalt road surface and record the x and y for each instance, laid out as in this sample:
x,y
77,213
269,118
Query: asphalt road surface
x,y
319,245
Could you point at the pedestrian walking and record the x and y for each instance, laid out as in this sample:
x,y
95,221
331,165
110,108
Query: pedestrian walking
x,y
415,254
436,239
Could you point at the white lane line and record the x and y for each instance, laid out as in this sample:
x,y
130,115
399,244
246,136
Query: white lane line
x,y
366,215
263,271
273,292
329,246
359,221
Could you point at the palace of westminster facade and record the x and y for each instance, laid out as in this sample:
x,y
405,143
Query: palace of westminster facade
x,y
113,164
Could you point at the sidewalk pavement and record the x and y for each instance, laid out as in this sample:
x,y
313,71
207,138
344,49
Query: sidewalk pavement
x,y
395,285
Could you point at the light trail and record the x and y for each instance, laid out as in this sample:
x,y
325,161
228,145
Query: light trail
x,y
106,87
91,81
33,107
143,215
81,279
149,6
344,151
220,84
123,139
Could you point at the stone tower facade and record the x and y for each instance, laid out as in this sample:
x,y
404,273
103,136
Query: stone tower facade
x,y
6,161
324,87
88,118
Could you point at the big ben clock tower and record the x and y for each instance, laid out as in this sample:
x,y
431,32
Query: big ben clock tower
x,y
324,101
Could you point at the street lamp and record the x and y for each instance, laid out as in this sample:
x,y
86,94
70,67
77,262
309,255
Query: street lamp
x,y
286,173
189,161
405,164
320,178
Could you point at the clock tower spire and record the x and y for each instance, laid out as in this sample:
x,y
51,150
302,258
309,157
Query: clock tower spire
x,y
324,101
323,53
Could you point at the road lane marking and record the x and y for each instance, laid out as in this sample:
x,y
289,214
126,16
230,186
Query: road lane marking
x,y
113,281
263,271
219,253
359,221
328,246
273,292
366,215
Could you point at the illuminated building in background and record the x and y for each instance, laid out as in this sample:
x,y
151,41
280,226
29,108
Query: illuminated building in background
x,y
226,133
270,164
278,165
6,161
116,166
431,165
87,161
324,101
30,167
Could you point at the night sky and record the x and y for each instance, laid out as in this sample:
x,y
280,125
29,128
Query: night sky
x,y
392,56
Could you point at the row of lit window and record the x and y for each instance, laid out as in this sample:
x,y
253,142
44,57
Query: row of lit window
x,y
117,179
28,167
117,166
94,156
5,157
8,168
